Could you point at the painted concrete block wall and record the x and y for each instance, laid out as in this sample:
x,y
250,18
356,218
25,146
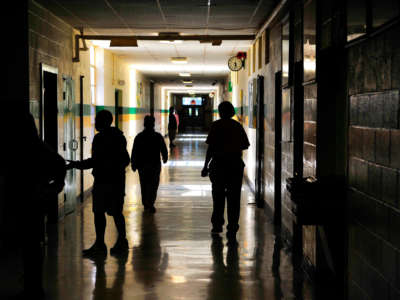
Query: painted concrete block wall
x,y
50,41
374,167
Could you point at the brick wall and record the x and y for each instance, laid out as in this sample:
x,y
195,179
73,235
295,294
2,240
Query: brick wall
x,y
374,166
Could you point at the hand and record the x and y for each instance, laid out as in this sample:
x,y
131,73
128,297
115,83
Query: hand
x,y
71,165
204,172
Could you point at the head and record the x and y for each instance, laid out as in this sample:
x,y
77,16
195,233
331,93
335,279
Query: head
x,y
103,120
171,110
149,122
226,110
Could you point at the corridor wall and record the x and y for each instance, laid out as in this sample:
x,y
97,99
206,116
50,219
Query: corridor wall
x,y
51,43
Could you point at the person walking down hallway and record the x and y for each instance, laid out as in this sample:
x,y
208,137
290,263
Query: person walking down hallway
x,y
224,165
146,150
109,160
172,126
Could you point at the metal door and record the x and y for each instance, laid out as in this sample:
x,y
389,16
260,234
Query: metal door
x,y
70,143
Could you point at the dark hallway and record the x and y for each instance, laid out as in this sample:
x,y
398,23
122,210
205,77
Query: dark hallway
x,y
314,87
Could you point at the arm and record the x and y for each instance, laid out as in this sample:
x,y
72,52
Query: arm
x,y
209,155
134,155
81,165
164,151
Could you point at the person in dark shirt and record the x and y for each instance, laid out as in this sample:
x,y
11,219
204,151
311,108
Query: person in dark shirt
x,y
172,126
226,141
109,160
34,175
146,150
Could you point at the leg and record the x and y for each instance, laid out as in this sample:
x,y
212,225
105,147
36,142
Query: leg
x,y
153,186
119,221
100,227
33,258
171,136
218,195
233,199
142,179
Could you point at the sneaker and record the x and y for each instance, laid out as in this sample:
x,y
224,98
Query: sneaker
x,y
95,250
120,246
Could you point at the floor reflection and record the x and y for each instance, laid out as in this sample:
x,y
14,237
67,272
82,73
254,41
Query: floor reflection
x,y
116,291
173,256
148,260
225,279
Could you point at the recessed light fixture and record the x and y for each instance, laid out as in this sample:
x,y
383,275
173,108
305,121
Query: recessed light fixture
x,y
172,42
187,81
179,60
185,74
189,85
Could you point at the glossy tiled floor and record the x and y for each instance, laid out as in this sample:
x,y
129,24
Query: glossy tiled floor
x,y
172,255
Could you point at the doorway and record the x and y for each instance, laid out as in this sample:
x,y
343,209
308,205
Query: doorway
x,y
48,119
118,109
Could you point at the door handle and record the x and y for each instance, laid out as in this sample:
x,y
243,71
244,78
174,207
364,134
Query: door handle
x,y
74,145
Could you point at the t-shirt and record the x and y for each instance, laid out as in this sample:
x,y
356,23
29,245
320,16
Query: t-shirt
x,y
228,138
147,148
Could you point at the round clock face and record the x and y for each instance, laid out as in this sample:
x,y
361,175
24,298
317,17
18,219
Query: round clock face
x,y
235,64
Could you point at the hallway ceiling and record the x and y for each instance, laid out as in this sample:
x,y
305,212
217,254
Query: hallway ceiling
x,y
149,17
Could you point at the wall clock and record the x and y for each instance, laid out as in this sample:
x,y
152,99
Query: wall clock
x,y
235,63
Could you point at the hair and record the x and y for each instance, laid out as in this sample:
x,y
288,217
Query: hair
x,y
104,117
149,121
171,109
226,110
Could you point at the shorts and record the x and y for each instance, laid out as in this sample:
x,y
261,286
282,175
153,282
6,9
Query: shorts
x,y
108,198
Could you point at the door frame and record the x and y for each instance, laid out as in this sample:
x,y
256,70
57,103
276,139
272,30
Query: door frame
x,y
259,184
50,69
118,107
278,149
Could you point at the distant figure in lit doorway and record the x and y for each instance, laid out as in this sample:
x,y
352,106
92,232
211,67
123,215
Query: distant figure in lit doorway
x,y
109,160
146,151
172,126
226,141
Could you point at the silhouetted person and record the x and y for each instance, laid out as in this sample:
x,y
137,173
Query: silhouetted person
x,y
109,160
172,126
146,150
226,141
34,175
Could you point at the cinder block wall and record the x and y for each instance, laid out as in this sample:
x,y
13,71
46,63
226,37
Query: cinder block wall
x,y
374,166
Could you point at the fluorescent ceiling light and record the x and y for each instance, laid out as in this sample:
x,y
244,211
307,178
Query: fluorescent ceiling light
x,y
187,81
172,42
101,43
185,74
194,68
179,60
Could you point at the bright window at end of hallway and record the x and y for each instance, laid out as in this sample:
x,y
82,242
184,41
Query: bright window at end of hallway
x,y
92,74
